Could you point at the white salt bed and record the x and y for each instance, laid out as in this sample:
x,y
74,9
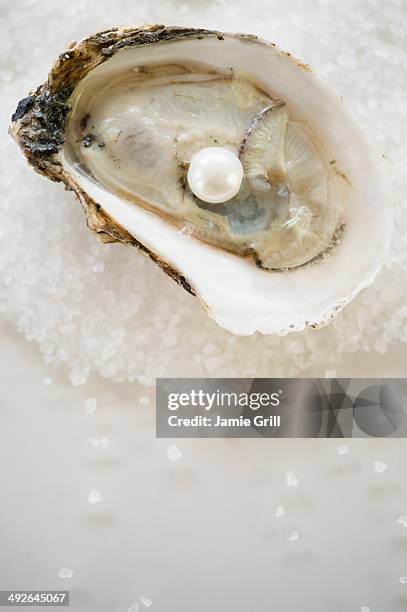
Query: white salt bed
x,y
174,453
291,480
95,497
380,467
65,572
107,309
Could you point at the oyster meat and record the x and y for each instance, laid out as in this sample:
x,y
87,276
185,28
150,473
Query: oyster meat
x,y
123,113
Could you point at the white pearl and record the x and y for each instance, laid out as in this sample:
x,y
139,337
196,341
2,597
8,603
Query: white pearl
x,y
215,175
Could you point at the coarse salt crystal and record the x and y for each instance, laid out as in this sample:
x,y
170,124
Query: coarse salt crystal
x,y
279,512
380,467
291,480
294,536
65,572
99,442
91,405
78,378
343,449
95,497
174,453
146,601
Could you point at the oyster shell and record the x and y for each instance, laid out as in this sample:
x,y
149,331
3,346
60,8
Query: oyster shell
x,y
123,112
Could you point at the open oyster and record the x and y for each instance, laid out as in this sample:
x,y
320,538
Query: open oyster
x,y
124,112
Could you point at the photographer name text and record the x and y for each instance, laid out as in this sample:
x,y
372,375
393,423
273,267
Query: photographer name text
x,y
241,421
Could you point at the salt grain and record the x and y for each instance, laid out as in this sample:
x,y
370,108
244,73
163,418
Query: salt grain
x,y
343,449
380,467
135,607
365,609
65,572
90,405
144,400
291,480
403,579
146,602
279,512
47,381
294,536
99,442
95,497
402,520
78,378
174,452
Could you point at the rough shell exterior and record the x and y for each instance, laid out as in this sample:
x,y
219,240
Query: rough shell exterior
x,y
38,123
